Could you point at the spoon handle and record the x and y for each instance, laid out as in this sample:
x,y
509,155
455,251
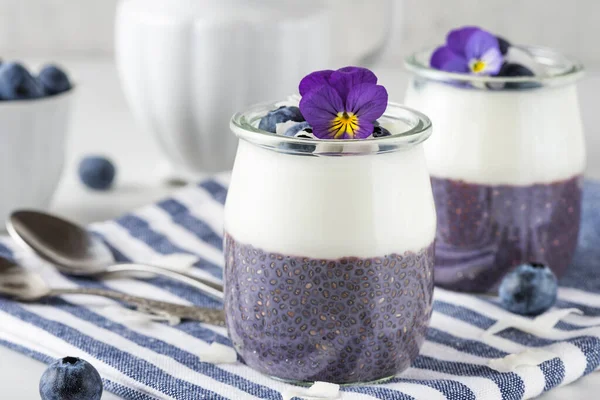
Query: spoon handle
x,y
214,290
208,315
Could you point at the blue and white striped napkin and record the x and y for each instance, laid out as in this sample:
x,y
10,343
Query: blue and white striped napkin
x,y
142,359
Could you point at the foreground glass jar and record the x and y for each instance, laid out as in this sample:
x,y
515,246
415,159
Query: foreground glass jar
x,y
329,251
506,166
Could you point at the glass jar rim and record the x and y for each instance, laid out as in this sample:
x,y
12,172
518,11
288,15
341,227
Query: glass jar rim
x,y
565,69
245,126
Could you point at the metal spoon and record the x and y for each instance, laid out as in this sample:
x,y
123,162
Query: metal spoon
x,y
23,285
74,251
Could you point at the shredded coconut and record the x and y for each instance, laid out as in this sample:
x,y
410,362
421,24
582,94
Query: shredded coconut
x,y
282,127
219,354
318,391
537,326
529,357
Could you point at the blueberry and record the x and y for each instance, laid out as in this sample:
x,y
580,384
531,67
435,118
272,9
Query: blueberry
x,y
300,149
54,80
514,70
300,127
503,44
97,172
282,114
71,378
530,289
379,131
16,83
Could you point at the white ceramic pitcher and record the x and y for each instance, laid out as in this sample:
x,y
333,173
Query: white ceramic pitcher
x,y
187,65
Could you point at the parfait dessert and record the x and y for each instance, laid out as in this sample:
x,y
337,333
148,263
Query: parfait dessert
x,y
507,159
330,224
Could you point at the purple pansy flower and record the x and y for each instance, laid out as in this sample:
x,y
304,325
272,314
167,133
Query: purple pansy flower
x,y
469,50
342,104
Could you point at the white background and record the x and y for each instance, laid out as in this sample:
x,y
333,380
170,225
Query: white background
x,y
84,27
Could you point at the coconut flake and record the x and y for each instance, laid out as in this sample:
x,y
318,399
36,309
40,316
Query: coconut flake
x,y
324,390
282,127
218,353
529,357
551,318
318,391
538,326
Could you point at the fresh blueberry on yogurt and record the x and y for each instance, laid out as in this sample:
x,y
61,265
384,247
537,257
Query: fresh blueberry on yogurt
x,y
530,289
515,70
282,114
71,378
380,131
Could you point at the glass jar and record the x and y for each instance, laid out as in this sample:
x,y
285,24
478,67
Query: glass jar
x,y
506,167
329,251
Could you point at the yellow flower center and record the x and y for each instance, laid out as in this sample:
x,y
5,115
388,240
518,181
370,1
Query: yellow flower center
x,y
343,123
477,66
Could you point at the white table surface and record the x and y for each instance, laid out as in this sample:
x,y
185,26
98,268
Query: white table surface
x,y
102,124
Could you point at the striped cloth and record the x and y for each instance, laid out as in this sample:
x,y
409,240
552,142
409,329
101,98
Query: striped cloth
x,y
148,360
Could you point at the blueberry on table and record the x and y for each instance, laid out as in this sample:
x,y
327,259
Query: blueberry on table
x,y
97,172
282,114
379,131
16,83
54,80
530,289
71,378
301,127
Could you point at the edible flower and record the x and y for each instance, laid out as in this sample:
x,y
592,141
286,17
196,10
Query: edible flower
x,y
342,104
469,50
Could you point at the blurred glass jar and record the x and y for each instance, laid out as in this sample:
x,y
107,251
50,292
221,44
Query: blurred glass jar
x,y
506,166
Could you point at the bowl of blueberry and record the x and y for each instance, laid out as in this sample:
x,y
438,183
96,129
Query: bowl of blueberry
x,y
34,118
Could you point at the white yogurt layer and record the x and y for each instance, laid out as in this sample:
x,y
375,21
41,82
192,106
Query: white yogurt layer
x,y
517,137
330,207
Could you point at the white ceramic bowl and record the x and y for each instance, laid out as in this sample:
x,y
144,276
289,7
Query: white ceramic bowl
x,y
32,151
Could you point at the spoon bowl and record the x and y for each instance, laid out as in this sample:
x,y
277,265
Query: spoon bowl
x,y
75,251
70,247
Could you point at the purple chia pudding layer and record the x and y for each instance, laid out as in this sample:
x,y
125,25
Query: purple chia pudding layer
x,y
484,231
345,320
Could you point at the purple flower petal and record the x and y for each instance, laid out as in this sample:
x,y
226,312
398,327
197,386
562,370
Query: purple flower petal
x,y
479,43
314,80
457,39
365,129
443,58
345,78
320,107
493,61
367,101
